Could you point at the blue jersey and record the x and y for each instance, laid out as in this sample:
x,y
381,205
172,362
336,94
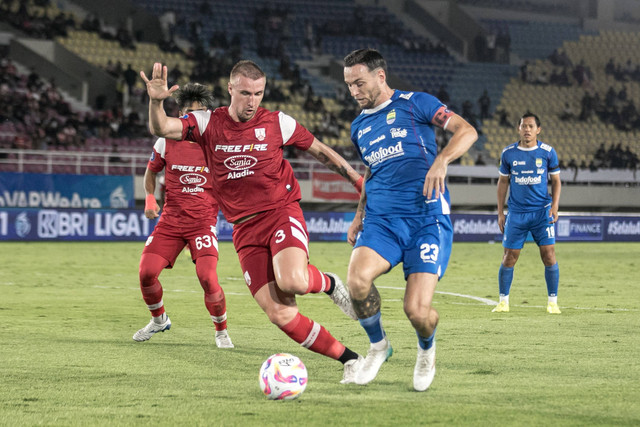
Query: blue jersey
x,y
528,169
396,141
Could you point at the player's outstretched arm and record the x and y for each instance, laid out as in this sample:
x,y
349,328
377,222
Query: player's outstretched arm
x,y
464,135
158,91
334,161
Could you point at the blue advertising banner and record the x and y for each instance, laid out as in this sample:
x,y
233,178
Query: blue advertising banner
x,y
58,191
28,224
579,228
74,224
476,228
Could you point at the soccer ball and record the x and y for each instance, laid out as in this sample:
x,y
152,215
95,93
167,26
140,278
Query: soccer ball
x,y
283,376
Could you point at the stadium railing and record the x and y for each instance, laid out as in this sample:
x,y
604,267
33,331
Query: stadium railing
x,y
96,163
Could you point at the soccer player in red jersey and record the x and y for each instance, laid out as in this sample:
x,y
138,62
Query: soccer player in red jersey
x,y
255,187
189,217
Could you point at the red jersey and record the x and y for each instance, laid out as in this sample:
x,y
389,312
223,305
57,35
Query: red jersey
x,y
188,195
246,159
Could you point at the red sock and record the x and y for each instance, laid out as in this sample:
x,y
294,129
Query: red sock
x,y
313,336
150,267
318,281
217,308
214,298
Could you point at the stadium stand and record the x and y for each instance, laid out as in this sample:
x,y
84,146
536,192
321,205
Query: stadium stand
x,y
603,103
285,35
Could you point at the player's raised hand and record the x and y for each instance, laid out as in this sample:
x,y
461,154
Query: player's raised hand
x,y
434,181
157,87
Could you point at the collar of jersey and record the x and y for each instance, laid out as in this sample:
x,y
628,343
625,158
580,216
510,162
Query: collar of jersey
x,y
529,148
378,108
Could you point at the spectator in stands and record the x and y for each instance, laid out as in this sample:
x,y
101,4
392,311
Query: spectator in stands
x,y
124,37
504,118
480,160
485,103
567,113
130,77
524,72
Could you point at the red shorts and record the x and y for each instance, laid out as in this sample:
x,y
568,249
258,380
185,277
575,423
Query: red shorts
x,y
168,240
259,239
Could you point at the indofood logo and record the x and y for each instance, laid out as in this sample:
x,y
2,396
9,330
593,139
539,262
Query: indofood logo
x,y
384,153
528,180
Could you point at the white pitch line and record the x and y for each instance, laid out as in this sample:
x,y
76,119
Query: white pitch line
x,y
484,301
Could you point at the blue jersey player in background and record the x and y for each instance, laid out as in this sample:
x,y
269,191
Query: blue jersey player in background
x,y
403,213
526,167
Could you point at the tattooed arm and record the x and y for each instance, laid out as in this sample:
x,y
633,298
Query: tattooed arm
x,y
335,162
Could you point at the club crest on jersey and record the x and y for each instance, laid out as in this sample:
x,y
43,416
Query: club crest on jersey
x,y
391,117
261,133
538,163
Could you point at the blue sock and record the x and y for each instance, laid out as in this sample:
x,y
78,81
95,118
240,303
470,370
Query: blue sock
x,y
505,277
552,277
373,326
426,343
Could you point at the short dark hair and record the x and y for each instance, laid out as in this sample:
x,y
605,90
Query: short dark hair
x,y
525,115
248,69
194,92
369,57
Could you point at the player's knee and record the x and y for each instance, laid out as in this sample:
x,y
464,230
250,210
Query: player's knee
x,y
147,275
421,317
281,316
509,259
358,285
294,282
209,284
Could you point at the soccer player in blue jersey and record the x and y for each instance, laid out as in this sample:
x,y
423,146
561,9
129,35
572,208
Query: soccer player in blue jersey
x,y
526,167
403,213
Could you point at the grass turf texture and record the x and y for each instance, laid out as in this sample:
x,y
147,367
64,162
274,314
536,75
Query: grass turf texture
x,y
68,311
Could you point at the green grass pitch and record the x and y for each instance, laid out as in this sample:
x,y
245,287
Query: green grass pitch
x,y
68,311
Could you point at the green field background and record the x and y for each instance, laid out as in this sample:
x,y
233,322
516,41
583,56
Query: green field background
x,y
68,311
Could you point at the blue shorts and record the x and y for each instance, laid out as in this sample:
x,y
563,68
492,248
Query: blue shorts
x,y
519,224
422,244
